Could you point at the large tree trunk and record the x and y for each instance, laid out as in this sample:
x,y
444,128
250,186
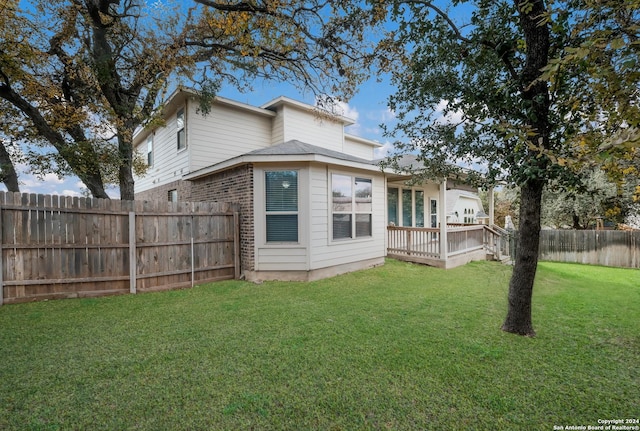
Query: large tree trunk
x,y
518,319
536,94
8,173
126,181
94,183
576,221
125,171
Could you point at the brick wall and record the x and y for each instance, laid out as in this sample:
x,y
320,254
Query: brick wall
x,y
161,193
236,186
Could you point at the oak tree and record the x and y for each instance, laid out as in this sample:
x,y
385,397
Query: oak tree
x,y
474,86
42,102
119,58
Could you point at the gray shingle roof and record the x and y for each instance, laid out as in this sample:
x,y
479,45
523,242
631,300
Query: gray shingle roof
x,y
297,148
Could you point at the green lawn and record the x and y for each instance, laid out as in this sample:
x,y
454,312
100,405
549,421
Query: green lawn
x,y
397,347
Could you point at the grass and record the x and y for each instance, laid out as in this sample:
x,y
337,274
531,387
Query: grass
x,y
397,347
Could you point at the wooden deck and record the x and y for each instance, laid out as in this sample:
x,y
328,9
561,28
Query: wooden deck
x,y
464,244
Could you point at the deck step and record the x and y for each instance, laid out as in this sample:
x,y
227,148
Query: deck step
x,y
504,260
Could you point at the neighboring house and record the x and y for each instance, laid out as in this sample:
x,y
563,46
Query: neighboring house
x,y
465,207
313,203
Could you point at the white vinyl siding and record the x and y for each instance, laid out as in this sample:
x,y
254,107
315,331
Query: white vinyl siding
x,y
226,132
277,129
358,149
309,127
467,208
168,164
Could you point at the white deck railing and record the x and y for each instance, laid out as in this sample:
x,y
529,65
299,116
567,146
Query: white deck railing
x,y
414,241
425,242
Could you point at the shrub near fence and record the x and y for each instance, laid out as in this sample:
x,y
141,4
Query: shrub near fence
x,y
62,247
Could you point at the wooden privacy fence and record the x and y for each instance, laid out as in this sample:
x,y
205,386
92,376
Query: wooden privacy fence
x,y
597,247
63,247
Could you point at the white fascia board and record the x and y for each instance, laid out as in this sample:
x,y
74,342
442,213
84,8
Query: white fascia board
x,y
363,140
244,106
293,158
283,100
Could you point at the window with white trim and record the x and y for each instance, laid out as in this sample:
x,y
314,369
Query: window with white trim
x,y
181,136
433,212
351,206
150,150
281,197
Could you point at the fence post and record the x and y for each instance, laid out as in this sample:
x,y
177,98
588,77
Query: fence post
x,y
133,270
193,256
1,254
236,244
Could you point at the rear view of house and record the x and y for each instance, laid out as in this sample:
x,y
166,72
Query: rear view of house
x,y
313,201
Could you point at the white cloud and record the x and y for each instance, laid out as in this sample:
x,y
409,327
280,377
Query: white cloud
x,y
67,192
447,116
354,129
337,107
348,111
388,115
383,151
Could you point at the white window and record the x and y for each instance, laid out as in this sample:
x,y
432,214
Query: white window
x,y
392,207
173,195
412,204
351,206
433,212
181,137
281,199
407,208
150,150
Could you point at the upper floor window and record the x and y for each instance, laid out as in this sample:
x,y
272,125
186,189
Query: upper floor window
x,y
150,150
281,189
181,135
351,206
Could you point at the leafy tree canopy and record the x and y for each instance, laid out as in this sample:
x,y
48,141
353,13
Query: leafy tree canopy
x,y
460,70
83,75
510,88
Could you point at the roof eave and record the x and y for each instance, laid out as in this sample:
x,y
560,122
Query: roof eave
x,y
281,159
